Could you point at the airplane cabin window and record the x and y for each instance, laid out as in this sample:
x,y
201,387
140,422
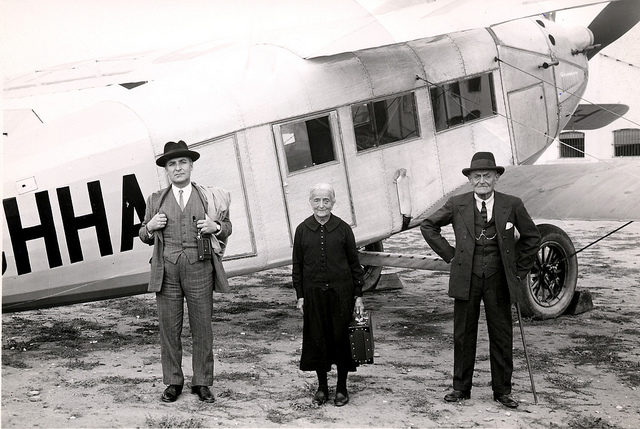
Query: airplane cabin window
x,y
463,101
626,142
381,122
307,143
571,144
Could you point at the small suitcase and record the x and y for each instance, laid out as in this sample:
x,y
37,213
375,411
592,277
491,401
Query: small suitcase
x,y
361,338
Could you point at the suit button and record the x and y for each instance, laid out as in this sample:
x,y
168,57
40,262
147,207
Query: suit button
x,y
507,250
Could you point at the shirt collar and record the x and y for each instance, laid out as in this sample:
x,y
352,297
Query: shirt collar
x,y
488,202
185,195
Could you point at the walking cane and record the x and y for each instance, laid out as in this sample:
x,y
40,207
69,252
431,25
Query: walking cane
x,y
526,355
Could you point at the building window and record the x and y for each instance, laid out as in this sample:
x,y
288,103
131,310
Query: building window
x,y
307,143
626,142
376,123
463,101
571,144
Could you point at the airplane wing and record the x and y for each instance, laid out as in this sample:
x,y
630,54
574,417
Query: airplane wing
x,y
308,28
598,191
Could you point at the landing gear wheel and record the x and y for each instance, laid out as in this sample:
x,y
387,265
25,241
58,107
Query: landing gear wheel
x,y
372,273
552,281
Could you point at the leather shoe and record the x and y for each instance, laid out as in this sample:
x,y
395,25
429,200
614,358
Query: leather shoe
x,y
321,396
203,393
171,393
505,400
457,395
341,399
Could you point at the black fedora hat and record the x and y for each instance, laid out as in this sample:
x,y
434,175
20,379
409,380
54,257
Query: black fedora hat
x,y
483,161
176,150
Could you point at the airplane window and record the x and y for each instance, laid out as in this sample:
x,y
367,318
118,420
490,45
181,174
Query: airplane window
x,y
571,144
377,123
463,101
307,143
626,142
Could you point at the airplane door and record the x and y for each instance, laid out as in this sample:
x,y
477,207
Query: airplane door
x,y
529,123
310,152
219,165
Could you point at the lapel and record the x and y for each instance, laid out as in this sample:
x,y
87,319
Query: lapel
x,y
501,211
466,210
156,207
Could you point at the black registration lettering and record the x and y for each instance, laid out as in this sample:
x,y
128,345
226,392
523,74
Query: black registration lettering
x,y
20,236
72,224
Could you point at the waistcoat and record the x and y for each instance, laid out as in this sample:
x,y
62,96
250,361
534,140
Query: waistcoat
x,y
180,232
486,255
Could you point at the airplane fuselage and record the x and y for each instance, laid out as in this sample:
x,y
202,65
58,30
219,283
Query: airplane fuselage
x,y
268,124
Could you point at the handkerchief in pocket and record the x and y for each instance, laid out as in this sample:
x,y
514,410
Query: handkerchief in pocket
x,y
509,226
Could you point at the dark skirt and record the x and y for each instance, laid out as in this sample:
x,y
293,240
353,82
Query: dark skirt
x,y
325,337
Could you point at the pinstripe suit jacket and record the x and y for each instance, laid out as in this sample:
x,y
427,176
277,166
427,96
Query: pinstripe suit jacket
x,y
216,202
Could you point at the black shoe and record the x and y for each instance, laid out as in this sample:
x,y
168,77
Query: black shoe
x,y
341,399
321,396
505,400
203,393
171,393
457,395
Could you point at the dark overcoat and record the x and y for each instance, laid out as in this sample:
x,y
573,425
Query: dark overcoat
x,y
517,256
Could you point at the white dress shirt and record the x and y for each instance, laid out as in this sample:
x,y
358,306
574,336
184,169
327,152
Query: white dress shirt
x,y
185,194
488,203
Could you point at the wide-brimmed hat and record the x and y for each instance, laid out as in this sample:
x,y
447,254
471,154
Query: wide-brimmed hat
x,y
176,150
483,161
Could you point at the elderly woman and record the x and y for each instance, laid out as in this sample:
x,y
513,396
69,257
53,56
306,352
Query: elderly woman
x,y
328,278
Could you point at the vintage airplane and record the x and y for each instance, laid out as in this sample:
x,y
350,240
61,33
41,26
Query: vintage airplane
x,y
388,103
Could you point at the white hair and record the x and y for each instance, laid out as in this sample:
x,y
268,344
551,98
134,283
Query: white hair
x,y
322,187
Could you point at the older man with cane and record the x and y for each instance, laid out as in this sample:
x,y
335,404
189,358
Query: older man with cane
x,y
487,264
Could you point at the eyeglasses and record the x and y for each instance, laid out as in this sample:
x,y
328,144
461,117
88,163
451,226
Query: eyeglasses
x,y
485,236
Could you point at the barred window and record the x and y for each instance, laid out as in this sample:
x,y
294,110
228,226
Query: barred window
x,y
376,123
571,144
463,101
626,142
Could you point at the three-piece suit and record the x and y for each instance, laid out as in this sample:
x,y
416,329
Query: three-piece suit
x,y
487,264
177,273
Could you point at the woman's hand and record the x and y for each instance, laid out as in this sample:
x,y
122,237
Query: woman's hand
x,y
300,305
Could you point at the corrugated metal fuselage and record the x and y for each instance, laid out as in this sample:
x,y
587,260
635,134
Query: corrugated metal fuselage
x,y
75,187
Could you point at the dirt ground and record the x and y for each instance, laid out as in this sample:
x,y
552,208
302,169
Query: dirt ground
x,y
98,364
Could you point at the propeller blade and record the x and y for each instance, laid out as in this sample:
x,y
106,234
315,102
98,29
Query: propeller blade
x,y
612,22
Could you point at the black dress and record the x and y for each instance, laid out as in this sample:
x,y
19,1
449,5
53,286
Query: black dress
x,y
328,275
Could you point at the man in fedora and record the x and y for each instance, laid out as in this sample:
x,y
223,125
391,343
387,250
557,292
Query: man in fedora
x,y
175,219
488,264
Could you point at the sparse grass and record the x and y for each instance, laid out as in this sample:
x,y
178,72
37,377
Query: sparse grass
x,y
238,376
14,360
80,364
567,382
539,360
590,422
133,307
117,379
173,422
594,350
277,416
243,353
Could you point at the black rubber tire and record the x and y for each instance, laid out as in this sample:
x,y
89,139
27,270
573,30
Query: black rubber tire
x,y
552,280
372,273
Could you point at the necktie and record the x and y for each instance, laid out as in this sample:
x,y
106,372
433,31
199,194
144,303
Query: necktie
x,y
181,202
483,212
